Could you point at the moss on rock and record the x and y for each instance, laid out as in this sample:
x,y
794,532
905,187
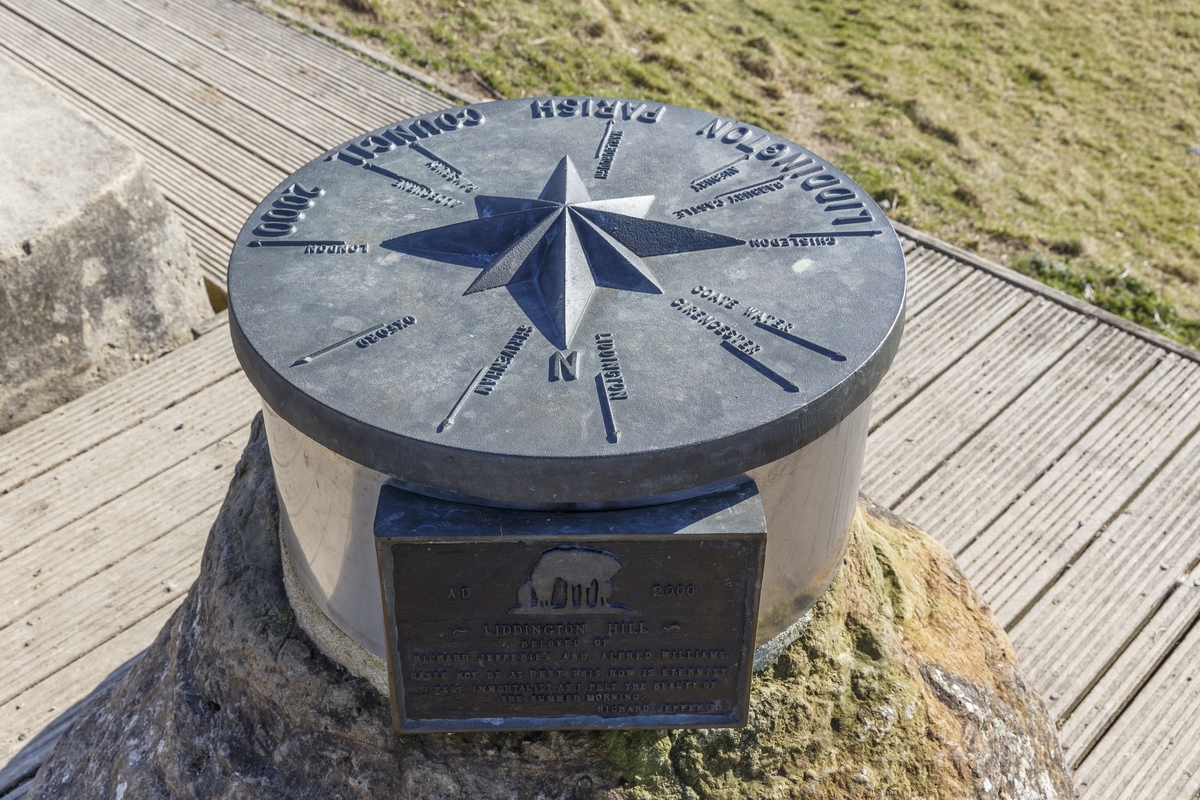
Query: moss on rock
x,y
902,685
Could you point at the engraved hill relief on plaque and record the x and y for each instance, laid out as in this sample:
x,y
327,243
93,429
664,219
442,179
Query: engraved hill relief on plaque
x,y
570,578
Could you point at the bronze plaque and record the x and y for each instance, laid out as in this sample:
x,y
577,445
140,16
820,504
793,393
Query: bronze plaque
x,y
594,629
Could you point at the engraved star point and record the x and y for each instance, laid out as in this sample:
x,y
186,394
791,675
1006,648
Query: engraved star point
x,y
554,250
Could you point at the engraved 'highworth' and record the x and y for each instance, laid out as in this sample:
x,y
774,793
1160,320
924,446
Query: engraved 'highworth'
x,y
608,155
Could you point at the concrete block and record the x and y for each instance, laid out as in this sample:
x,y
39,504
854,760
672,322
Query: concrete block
x,y
96,272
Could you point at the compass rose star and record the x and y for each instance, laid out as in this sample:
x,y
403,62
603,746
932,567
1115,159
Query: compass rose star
x,y
553,251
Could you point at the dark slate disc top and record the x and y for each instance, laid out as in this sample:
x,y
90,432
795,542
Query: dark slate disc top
x,y
567,302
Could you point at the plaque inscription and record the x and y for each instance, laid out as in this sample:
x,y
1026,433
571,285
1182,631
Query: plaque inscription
x,y
577,631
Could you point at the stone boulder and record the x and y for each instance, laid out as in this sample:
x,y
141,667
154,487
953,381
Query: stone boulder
x,y
901,685
96,273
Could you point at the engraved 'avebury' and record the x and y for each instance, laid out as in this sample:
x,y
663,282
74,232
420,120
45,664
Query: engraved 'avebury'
x,y
556,249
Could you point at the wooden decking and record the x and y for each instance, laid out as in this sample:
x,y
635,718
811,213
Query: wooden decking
x,y
1052,448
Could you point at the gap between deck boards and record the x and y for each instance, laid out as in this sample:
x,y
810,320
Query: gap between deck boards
x,y
1049,507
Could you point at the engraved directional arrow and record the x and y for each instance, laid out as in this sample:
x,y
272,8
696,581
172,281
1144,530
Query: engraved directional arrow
x,y
554,250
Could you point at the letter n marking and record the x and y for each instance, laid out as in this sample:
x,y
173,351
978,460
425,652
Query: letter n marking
x,y
564,369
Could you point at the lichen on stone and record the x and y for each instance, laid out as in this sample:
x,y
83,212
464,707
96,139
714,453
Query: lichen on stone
x,y
901,685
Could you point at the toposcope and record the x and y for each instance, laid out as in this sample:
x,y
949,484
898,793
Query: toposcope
x,y
567,402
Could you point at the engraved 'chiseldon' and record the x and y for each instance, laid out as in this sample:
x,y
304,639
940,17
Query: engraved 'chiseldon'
x,y
553,251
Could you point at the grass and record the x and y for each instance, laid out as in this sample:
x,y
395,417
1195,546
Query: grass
x,y
1061,138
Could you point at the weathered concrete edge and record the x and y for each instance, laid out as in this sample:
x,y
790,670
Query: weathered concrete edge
x,y
207,326
370,54
328,637
769,652
1035,286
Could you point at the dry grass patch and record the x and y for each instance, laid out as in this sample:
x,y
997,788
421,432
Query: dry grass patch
x,y
1024,130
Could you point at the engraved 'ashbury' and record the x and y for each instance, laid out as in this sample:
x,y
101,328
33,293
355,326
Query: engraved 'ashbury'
x,y
561,245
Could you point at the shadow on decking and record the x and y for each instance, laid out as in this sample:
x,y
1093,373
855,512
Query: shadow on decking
x,y
20,770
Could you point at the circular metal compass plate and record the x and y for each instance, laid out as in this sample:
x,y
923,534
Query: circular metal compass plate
x,y
566,301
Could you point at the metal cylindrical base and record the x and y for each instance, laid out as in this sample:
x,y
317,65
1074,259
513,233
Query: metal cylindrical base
x,y
327,509
809,499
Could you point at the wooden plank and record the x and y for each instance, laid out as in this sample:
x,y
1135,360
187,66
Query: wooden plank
x,y
370,54
204,105
48,441
1038,536
333,94
1086,619
212,212
1105,702
46,503
186,179
214,323
212,248
32,722
944,333
19,793
76,552
1034,287
77,622
246,36
1153,751
930,275
253,89
377,85
976,484
966,397
189,191
211,153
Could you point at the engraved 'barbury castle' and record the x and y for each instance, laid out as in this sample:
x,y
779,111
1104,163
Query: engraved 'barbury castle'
x,y
562,245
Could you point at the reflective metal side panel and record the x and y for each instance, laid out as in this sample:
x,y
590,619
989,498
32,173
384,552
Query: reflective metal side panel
x,y
327,510
327,507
